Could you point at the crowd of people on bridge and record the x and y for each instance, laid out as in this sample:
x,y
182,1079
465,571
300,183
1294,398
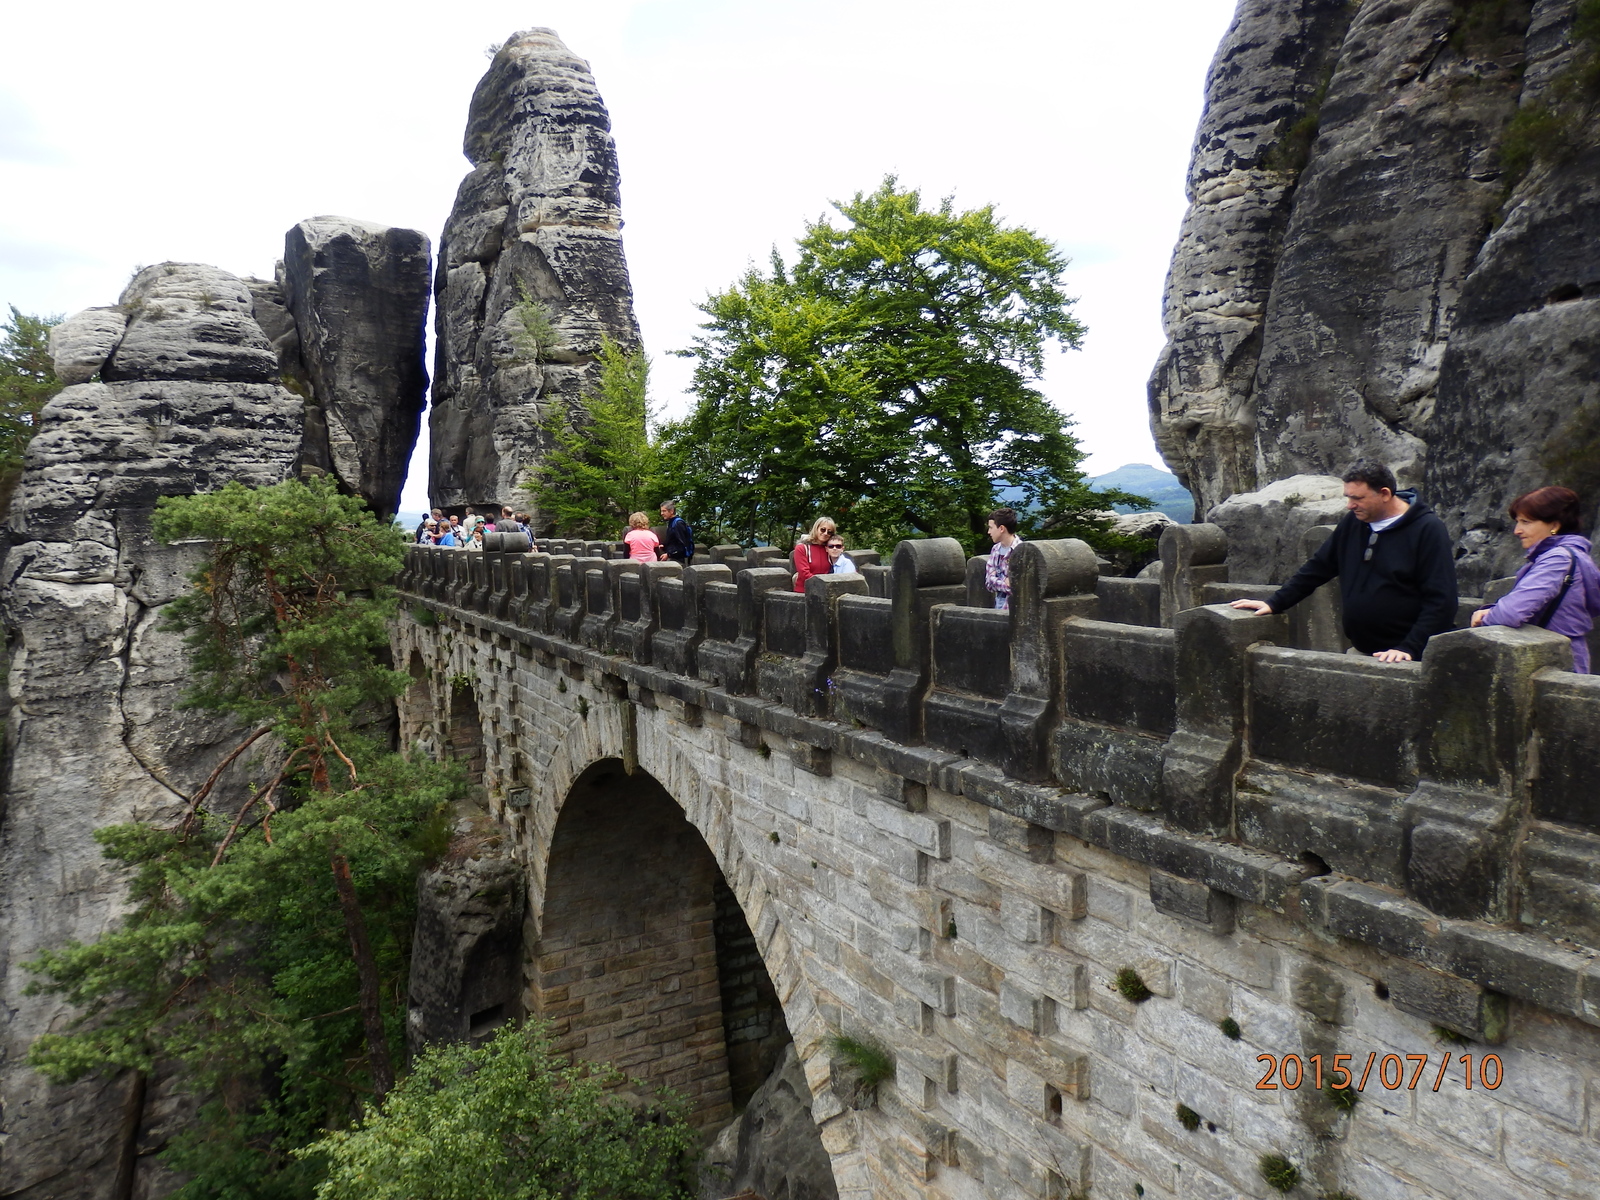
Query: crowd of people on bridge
x,y
1392,555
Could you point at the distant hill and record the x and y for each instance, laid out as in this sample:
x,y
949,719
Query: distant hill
x,y
1162,488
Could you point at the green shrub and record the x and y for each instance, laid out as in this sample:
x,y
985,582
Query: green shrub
x,y
869,1062
1130,986
1281,1174
1537,133
1344,1099
506,1119
536,334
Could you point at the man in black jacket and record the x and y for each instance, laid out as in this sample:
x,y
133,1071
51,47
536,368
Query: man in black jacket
x,y
679,540
1396,570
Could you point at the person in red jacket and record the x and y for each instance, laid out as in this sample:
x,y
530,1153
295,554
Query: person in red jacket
x,y
811,552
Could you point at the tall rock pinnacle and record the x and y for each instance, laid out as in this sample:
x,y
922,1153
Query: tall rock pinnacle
x,y
531,272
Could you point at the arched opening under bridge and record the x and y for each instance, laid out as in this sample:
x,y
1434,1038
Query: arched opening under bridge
x,y
645,959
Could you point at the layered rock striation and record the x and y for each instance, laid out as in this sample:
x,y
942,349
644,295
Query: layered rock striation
x,y
187,399
531,272
1390,251
196,378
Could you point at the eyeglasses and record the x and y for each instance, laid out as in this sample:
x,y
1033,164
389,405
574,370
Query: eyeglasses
x,y
1371,542
835,545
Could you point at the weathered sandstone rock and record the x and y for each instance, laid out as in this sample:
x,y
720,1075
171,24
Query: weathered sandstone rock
x,y
1393,296
1402,186
80,345
1524,357
187,321
1267,74
95,736
203,378
466,951
535,235
1266,529
358,295
772,1148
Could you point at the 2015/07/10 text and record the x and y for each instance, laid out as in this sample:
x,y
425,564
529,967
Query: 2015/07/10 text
x,y
1290,1071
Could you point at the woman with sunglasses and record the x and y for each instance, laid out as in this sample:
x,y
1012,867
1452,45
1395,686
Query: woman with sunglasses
x,y
1558,587
811,552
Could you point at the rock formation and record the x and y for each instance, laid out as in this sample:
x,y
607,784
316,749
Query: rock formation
x,y
466,950
1365,268
1267,529
772,1148
179,389
357,294
187,400
531,273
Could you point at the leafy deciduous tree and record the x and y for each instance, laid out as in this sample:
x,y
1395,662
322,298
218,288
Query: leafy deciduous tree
x,y
886,377
506,1119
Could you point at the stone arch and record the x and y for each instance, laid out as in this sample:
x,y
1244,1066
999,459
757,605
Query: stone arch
x,y
626,963
675,867
707,806
417,712
464,733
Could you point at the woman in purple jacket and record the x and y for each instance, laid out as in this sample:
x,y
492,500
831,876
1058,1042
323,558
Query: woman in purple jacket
x,y
1558,588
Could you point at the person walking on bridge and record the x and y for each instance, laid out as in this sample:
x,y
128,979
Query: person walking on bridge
x,y
1396,570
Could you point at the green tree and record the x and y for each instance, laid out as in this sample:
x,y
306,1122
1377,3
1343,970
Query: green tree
x,y
886,378
264,953
507,1120
603,463
27,380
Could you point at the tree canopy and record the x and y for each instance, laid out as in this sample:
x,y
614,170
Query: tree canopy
x,y
886,377
603,463
507,1120
27,380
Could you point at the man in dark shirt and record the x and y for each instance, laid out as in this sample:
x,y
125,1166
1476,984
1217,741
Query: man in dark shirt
x,y
678,544
1397,576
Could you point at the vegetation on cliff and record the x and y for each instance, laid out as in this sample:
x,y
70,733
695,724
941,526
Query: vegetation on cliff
x,y
603,461
264,954
263,959
27,380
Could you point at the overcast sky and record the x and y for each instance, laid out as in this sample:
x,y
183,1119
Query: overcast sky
x,y
133,134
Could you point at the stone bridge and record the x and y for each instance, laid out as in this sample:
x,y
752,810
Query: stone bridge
x,y
1077,867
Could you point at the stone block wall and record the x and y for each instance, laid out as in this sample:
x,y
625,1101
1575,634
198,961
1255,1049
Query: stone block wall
x,y
989,930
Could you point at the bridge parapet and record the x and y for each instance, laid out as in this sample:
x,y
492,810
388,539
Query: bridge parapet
x,y
1441,810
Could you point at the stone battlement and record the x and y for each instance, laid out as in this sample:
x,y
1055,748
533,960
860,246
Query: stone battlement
x,y
1439,811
